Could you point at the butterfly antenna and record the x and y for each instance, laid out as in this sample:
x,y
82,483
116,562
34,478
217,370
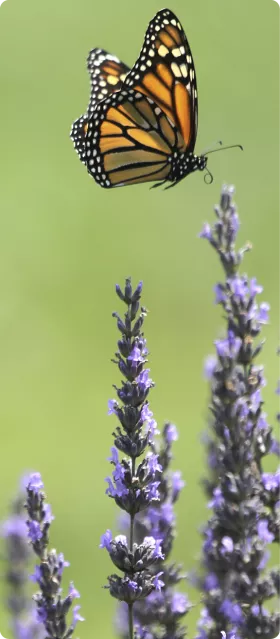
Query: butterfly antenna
x,y
208,178
232,146
209,148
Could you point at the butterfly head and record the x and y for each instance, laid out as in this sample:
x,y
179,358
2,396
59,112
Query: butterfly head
x,y
201,162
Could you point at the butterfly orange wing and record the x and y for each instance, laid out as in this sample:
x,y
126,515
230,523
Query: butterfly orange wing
x,y
129,141
165,72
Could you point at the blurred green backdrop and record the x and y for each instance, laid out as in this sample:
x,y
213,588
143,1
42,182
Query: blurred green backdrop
x,y
65,242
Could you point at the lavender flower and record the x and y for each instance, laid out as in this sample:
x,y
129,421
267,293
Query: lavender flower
x,y
51,608
134,486
242,497
161,613
23,621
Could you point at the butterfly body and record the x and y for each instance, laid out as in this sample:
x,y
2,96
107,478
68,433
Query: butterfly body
x,y
141,123
185,163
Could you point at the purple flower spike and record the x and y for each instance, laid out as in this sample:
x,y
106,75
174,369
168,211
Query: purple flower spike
x,y
52,609
165,606
15,572
134,484
143,486
244,500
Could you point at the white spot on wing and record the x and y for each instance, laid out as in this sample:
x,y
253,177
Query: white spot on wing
x,y
176,53
175,70
163,51
112,57
184,70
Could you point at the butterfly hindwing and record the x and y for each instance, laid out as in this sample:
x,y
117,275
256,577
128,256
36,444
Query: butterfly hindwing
x,y
165,72
78,135
107,75
129,141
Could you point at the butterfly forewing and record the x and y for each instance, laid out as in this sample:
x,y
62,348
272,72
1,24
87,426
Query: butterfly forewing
x,y
130,140
165,72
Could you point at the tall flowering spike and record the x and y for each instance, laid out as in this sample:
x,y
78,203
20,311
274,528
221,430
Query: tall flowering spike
x,y
162,611
52,608
134,484
242,497
17,554
271,494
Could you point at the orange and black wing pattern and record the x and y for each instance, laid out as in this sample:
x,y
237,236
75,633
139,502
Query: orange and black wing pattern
x,y
130,141
78,136
141,124
165,72
107,74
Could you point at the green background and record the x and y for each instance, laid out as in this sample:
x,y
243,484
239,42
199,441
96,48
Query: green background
x,y
64,242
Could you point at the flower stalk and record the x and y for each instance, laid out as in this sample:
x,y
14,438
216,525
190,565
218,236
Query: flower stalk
x,y
133,484
17,559
235,584
52,607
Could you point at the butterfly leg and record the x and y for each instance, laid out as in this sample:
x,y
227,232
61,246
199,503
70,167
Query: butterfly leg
x,y
170,186
157,184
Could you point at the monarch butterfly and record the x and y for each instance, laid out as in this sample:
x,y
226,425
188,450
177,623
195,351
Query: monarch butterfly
x,y
141,123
